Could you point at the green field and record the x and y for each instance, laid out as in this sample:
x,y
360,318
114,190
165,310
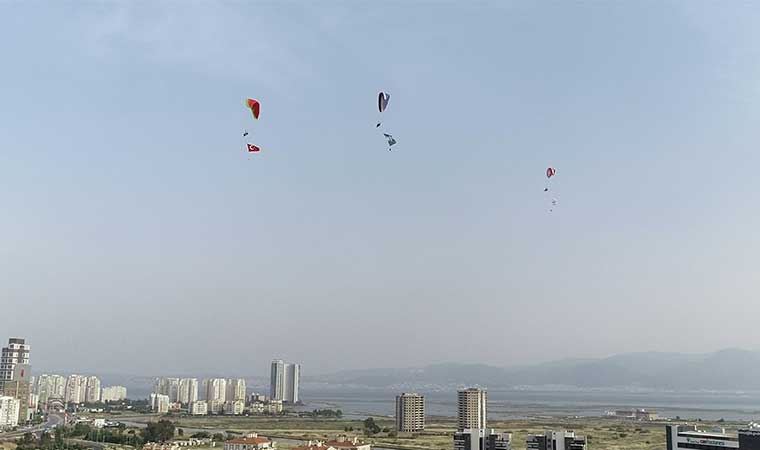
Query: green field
x,y
602,433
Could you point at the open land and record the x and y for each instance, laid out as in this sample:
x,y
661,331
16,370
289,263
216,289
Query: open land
x,y
602,433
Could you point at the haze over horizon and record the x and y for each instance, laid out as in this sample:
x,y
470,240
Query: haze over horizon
x,y
138,234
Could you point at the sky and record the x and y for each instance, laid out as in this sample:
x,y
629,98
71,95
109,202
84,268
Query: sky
x,y
138,236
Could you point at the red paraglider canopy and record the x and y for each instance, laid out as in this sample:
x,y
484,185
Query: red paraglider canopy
x,y
550,172
254,106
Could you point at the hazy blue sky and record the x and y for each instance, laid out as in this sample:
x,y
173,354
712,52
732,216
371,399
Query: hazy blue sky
x,y
137,235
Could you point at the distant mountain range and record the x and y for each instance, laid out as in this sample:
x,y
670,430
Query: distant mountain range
x,y
728,370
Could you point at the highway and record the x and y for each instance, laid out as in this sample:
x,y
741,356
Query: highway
x,y
53,420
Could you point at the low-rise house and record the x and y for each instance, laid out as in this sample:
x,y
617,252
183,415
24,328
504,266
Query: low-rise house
x,y
314,445
346,443
251,441
157,446
193,442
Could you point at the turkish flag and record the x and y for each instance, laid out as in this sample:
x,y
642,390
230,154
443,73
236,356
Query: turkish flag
x,y
253,149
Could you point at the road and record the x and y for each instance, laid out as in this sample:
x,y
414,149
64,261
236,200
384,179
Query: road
x,y
53,420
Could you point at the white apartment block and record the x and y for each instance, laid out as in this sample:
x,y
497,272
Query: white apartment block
x,y
235,390
198,408
113,394
187,391
215,406
168,387
76,388
234,408
9,412
159,403
50,386
410,413
215,390
92,391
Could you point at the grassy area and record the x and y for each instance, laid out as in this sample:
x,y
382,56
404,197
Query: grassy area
x,y
602,433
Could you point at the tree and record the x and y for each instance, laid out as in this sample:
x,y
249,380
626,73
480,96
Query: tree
x,y
160,431
370,427
27,442
46,440
201,435
59,437
180,432
218,437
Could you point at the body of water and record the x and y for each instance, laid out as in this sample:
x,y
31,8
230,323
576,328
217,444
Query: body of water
x,y
507,404
520,403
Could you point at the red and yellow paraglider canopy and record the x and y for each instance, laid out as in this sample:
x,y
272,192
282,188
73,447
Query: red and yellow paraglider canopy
x,y
254,106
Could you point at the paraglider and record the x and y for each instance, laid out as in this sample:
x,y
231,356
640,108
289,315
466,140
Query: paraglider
x,y
391,141
382,104
550,172
255,108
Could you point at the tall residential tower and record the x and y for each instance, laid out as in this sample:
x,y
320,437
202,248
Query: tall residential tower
x,y
410,413
471,409
17,352
285,381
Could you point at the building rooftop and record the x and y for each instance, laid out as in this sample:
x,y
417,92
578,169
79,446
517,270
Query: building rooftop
x,y
312,445
345,443
256,440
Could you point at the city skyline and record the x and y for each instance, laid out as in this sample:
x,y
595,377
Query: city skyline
x,y
133,204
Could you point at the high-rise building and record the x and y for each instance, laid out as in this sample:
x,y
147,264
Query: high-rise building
x,y
482,439
215,389
285,381
113,394
76,389
92,391
168,387
277,380
556,440
187,391
50,386
159,403
235,390
9,412
292,382
17,352
410,413
20,388
471,409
